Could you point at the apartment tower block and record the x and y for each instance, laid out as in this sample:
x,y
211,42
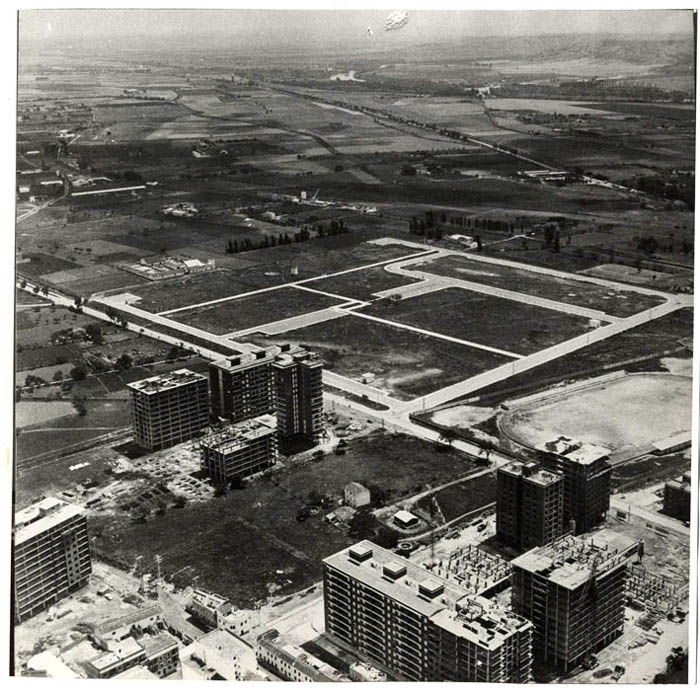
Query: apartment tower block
x,y
51,555
417,626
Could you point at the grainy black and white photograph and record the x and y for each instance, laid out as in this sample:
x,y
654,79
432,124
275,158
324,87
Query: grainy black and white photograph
x,y
353,345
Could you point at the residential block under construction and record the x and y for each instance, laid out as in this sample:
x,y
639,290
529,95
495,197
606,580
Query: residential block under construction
x,y
586,469
418,626
573,591
169,408
240,450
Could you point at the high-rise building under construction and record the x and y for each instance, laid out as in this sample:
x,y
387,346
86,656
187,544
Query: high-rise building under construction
x,y
573,591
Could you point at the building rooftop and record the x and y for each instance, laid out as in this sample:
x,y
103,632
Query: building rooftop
x,y
404,516
129,619
224,642
532,472
355,487
571,561
290,355
395,577
576,451
682,483
136,673
42,516
449,605
241,361
671,442
154,645
53,666
118,651
164,382
239,435
297,658
482,621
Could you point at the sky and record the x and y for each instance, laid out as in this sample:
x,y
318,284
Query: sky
x,y
248,27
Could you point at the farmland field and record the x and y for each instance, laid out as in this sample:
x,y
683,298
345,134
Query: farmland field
x,y
406,364
619,303
242,313
484,319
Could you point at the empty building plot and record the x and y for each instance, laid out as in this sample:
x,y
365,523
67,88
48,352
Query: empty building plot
x,y
613,301
361,284
484,319
254,310
405,363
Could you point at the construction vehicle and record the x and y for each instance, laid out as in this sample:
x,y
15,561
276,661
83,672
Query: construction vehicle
x,y
618,672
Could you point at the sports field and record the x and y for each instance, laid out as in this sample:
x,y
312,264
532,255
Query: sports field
x,y
624,415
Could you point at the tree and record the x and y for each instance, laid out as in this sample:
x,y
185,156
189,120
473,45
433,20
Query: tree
x,y
180,501
78,373
124,361
386,537
237,482
94,333
79,405
57,376
448,436
362,525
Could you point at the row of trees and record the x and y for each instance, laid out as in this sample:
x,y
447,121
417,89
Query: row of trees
x,y
302,235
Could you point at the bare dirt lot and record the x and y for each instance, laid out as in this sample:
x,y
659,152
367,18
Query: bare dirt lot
x,y
266,268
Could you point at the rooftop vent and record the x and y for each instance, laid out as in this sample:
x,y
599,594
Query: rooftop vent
x,y
360,552
430,588
394,570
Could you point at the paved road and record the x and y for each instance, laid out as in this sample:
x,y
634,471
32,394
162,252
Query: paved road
x,y
658,519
